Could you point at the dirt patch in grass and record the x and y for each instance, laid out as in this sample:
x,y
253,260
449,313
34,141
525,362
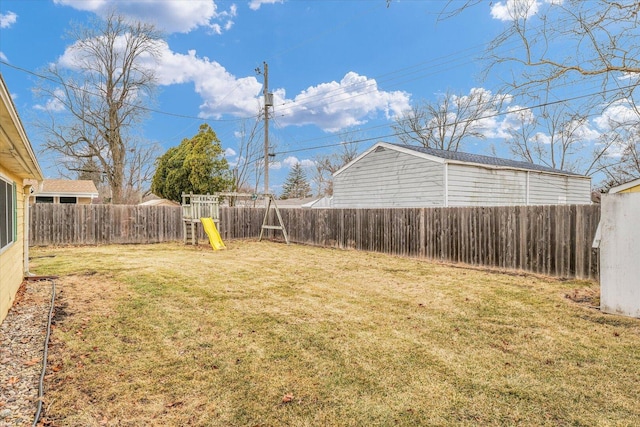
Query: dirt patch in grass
x,y
276,335
588,296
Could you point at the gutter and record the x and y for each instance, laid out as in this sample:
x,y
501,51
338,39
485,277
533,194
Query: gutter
x,y
25,233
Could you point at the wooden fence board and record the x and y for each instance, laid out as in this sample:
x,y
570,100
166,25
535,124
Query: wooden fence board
x,y
554,240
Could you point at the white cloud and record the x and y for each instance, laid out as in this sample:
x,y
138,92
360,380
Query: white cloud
x,y
54,104
583,131
275,165
171,16
291,161
493,124
501,126
255,4
230,152
541,137
221,91
629,76
8,19
337,105
618,113
331,106
3,57
514,9
517,116
511,10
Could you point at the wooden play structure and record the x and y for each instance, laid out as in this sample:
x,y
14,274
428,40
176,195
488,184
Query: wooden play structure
x,y
272,200
194,207
197,206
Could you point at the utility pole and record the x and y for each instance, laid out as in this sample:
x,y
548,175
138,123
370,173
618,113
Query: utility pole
x,y
268,102
265,92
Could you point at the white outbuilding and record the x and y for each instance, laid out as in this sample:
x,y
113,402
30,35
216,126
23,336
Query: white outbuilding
x,y
394,176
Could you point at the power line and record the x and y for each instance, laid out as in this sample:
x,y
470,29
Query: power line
x,y
497,114
141,107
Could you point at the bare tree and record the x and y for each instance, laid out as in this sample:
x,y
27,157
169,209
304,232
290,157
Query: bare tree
x,y
447,123
248,169
327,165
621,145
555,139
548,44
102,96
140,167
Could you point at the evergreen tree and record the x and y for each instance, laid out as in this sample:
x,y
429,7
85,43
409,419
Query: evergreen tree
x,y
296,185
195,166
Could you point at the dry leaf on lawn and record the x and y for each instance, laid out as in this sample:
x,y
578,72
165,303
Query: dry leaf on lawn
x,y
287,398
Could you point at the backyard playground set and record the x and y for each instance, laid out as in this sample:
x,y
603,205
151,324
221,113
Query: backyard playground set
x,y
205,209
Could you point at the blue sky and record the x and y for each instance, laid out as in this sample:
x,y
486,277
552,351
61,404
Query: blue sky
x,y
334,66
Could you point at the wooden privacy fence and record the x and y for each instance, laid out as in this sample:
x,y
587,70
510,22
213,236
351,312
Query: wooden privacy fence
x,y
69,224
552,240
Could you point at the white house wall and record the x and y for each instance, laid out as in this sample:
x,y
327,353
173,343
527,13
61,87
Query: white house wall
x,y
547,189
476,186
388,178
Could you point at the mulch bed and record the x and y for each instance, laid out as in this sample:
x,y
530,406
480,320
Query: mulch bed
x,y
22,335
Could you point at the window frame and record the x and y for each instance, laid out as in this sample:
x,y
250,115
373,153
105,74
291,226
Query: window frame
x,y
41,199
70,200
9,204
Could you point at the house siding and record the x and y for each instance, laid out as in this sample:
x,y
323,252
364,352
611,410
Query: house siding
x,y
547,189
11,258
389,179
635,189
477,186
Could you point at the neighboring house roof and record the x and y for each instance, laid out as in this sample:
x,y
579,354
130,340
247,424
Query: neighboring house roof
x,y
67,187
294,202
159,202
626,186
15,149
444,156
322,202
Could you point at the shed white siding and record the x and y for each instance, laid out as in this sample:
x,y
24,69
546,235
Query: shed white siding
x,y
389,178
390,175
548,189
477,186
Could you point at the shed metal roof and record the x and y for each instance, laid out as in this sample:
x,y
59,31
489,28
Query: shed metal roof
x,y
483,160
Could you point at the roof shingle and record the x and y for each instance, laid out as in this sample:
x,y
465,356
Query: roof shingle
x,y
483,160
68,186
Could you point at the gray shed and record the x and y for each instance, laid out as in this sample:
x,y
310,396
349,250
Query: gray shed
x,y
392,175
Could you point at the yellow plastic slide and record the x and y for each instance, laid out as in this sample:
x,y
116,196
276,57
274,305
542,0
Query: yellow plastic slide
x,y
211,230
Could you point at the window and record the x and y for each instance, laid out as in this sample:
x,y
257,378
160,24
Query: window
x,y
8,213
68,200
44,199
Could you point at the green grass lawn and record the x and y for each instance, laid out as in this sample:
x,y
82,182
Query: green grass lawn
x,y
264,334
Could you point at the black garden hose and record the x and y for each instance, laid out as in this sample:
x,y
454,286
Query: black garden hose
x,y
46,350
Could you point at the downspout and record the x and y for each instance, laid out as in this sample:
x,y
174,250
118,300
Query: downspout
x,y
527,196
446,184
25,224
